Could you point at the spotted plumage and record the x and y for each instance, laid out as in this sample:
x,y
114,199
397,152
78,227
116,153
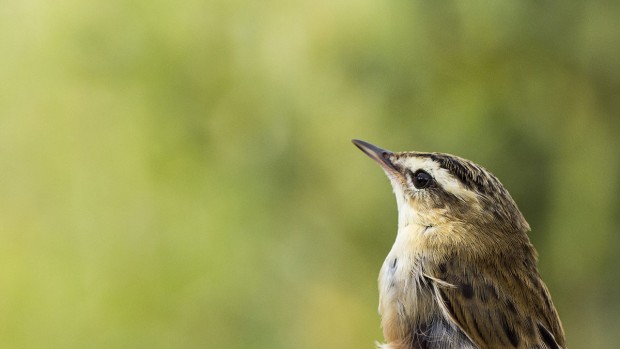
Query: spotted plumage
x,y
462,272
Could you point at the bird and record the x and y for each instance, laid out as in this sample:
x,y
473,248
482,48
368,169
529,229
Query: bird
x,y
462,272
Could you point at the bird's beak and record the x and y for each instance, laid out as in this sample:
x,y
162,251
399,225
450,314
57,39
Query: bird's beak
x,y
381,156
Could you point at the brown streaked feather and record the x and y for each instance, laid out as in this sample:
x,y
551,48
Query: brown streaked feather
x,y
518,317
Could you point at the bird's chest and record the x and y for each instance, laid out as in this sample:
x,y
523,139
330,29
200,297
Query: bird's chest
x,y
405,295
410,314
406,298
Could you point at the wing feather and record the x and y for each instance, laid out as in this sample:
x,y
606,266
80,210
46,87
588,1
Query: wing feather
x,y
520,315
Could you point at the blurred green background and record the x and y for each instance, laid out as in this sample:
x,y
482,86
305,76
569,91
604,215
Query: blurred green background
x,y
179,174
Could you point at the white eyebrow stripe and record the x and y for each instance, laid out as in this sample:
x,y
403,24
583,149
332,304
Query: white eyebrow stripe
x,y
441,175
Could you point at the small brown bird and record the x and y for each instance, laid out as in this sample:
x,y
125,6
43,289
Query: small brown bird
x,y
462,272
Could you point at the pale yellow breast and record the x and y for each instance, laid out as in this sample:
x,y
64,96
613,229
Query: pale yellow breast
x,y
403,297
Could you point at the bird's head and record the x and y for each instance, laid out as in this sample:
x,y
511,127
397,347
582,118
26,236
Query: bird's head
x,y
435,190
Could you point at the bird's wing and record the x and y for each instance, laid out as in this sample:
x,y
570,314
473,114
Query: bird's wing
x,y
519,315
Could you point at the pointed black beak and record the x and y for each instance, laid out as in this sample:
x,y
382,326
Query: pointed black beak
x,y
381,156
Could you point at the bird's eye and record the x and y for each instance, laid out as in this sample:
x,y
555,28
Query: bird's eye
x,y
421,179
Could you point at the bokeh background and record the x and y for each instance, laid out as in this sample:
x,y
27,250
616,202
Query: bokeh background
x,y
179,174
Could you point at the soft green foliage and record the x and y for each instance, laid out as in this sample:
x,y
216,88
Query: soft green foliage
x,y
179,174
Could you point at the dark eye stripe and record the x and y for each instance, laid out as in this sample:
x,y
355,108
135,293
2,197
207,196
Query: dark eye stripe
x,y
471,175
